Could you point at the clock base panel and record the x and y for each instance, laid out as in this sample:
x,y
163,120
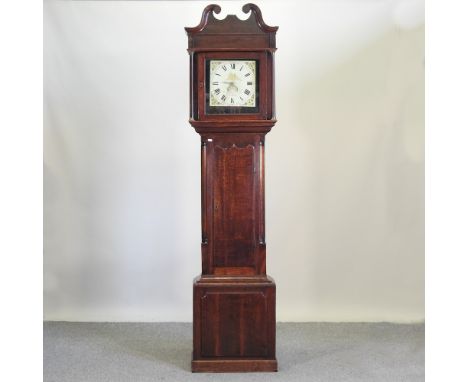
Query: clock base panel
x,y
234,325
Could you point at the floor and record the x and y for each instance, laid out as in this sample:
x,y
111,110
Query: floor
x,y
161,352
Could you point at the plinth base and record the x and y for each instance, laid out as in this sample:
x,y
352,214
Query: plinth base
x,y
234,365
234,324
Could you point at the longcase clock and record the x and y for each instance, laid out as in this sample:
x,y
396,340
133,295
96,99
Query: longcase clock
x,y
232,108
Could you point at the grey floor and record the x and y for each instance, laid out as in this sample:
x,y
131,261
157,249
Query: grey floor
x,y
161,352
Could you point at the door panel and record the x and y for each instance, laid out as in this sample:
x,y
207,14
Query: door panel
x,y
234,207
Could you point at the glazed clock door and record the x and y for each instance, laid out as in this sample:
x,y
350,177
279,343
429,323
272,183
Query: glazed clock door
x,y
234,85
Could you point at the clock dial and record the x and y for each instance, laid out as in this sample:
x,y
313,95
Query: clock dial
x,y
232,83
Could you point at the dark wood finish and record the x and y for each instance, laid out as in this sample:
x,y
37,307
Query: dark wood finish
x,y
234,300
233,227
234,324
233,365
232,38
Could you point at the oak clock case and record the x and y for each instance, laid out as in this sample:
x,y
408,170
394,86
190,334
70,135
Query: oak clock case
x,y
232,108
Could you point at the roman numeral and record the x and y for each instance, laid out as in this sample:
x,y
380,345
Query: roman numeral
x,y
240,70
247,91
233,65
218,74
248,74
224,67
215,83
217,91
248,83
232,100
223,97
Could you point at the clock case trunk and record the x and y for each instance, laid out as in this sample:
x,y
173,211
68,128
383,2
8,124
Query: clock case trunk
x,y
234,299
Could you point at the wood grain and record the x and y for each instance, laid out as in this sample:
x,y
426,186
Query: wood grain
x,y
234,300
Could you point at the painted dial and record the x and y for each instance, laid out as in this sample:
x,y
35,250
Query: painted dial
x,y
232,83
